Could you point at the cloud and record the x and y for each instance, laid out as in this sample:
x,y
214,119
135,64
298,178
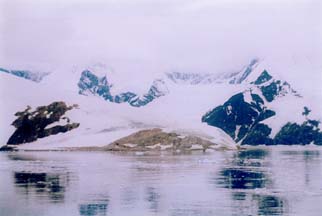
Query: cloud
x,y
155,36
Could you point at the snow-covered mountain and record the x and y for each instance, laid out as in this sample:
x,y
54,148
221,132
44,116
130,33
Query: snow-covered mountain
x,y
249,106
91,83
268,111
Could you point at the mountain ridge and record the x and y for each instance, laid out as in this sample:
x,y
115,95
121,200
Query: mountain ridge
x,y
255,106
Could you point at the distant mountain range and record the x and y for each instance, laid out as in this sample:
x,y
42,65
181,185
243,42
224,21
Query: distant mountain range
x,y
251,106
26,74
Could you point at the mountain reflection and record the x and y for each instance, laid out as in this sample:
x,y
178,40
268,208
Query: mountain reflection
x,y
91,209
267,182
153,198
253,154
244,173
269,205
41,184
242,179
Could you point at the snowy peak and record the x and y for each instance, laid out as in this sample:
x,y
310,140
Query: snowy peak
x,y
244,74
26,74
272,88
269,111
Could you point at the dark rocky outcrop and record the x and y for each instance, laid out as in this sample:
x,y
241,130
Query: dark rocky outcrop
x,y
273,90
259,135
264,77
306,133
240,119
31,125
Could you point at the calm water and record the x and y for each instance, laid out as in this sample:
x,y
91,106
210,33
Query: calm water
x,y
258,181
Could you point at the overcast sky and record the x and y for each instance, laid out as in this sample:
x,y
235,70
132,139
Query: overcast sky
x,y
136,36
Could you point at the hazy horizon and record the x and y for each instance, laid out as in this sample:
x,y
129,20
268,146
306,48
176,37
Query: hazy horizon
x,y
184,35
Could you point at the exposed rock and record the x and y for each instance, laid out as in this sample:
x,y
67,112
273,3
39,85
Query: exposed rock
x,y
239,118
306,111
303,134
272,89
32,125
264,77
157,140
259,135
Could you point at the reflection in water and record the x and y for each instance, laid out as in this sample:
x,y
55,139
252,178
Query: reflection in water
x,y
263,182
238,195
153,198
308,154
188,211
17,157
246,173
243,172
92,209
311,155
269,205
41,184
129,197
241,179
253,154
308,158
250,157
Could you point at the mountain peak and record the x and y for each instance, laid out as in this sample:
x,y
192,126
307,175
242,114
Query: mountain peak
x,y
245,73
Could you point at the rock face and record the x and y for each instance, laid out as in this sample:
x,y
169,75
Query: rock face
x,y
31,125
157,140
243,115
90,84
241,119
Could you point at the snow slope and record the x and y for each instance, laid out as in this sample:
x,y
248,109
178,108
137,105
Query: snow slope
x,y
103,122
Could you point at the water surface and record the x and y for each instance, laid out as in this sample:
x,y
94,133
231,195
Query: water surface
x,y
256,181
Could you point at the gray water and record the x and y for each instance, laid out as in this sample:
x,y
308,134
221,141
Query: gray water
x,y
257,181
